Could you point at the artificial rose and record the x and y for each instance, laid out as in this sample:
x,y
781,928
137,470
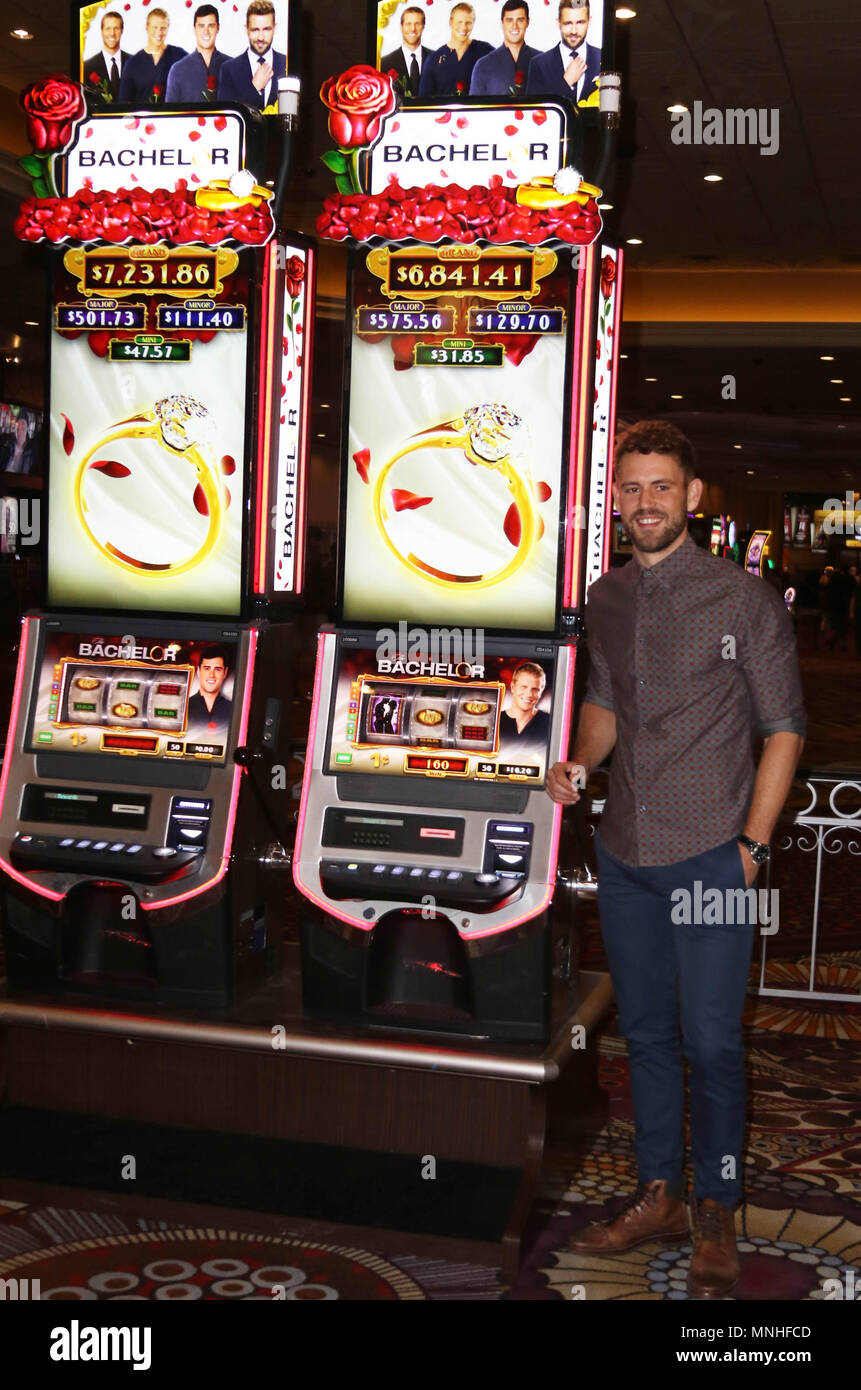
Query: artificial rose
x,y
294,275
608,276
357,100
52,106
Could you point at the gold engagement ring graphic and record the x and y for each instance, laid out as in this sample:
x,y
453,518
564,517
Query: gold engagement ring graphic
x,y
185,430
490,436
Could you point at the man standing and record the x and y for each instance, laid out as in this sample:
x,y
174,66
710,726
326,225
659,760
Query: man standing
x,y
107,65
407,61
448,71
689,657
569,69
195,78
252,78
209,711
504,71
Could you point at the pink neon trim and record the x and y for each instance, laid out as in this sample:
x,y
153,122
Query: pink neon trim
x,y
11,743
325,903
264,423
617,320
304,442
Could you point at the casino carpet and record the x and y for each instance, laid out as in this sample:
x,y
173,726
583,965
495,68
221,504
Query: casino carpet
x,y
798,1226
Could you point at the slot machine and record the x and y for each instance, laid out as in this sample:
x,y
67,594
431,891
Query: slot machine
x,y
151,690
482,326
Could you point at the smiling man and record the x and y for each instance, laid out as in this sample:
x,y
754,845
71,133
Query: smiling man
x,y
569,69
407,61
523,722
690,658
252,78
107,65
195,78
209,711
448,71
504,71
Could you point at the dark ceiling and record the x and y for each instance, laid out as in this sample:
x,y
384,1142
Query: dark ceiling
x,y
797,208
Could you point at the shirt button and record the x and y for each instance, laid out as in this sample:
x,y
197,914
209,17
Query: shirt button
x,y
642,682
642,808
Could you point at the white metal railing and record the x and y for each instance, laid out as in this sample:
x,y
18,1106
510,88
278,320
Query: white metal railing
x,y
824,829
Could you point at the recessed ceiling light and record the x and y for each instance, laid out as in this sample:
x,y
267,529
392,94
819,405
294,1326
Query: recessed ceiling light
x,y
837,381
677,107
633,241
605,207
31,323
626,13
651,378
322,435
843,398
825,358
738,446
324,405
713,178
677,398
623,356
749,472
21,34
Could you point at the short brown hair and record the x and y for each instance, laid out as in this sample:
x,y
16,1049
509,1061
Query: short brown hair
x,y
658,437
413,9
259,7
112,14
528,668
573,5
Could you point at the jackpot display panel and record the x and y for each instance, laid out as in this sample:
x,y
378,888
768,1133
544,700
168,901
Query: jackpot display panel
x,y
149,695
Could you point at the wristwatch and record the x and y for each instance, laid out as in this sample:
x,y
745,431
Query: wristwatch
x,y
759,853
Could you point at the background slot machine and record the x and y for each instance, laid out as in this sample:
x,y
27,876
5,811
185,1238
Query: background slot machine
x,y
483,320
147,710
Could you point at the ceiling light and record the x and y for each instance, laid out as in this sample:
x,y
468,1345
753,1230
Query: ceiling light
x,y
651,378
738,446
633,241
21,34
713,178
322,435
626,13
843,398
837,381
677,108
605,207
825,358
623,356
677,398
324,405
31,323
749,472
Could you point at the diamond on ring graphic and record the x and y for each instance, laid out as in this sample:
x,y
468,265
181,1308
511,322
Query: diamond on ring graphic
x,y
493,431
184,421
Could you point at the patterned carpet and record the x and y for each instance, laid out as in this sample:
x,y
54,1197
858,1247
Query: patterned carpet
x,y
798,1226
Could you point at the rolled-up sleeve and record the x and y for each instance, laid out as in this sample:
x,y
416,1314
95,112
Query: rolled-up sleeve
x,y
599,688
769,659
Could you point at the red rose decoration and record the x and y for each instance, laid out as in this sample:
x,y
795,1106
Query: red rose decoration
x,y
95,79
294,275
608,276
52,106
357,100
156,91
211,82
519,79
460,88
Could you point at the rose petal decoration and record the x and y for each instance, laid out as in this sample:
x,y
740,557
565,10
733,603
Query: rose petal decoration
x,y
511,525
68,436
544,491
405,501
111,468
228,465
200,503
362,460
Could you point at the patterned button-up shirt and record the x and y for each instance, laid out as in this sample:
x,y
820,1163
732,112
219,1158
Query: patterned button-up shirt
x,y
693,656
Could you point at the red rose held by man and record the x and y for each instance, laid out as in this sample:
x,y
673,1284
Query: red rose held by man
x,y
357,101
52,106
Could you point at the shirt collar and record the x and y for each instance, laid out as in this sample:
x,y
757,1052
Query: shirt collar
x,y
252,57
566,53
112,58
410,53
671,568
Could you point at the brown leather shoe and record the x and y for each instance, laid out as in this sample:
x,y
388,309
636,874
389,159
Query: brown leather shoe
x,y
714,1267
649,1214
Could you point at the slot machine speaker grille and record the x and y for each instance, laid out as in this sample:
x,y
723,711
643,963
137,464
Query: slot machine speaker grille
x,y
100,940
417,969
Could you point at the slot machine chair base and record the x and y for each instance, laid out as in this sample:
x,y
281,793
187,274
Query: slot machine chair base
x,y
413,970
